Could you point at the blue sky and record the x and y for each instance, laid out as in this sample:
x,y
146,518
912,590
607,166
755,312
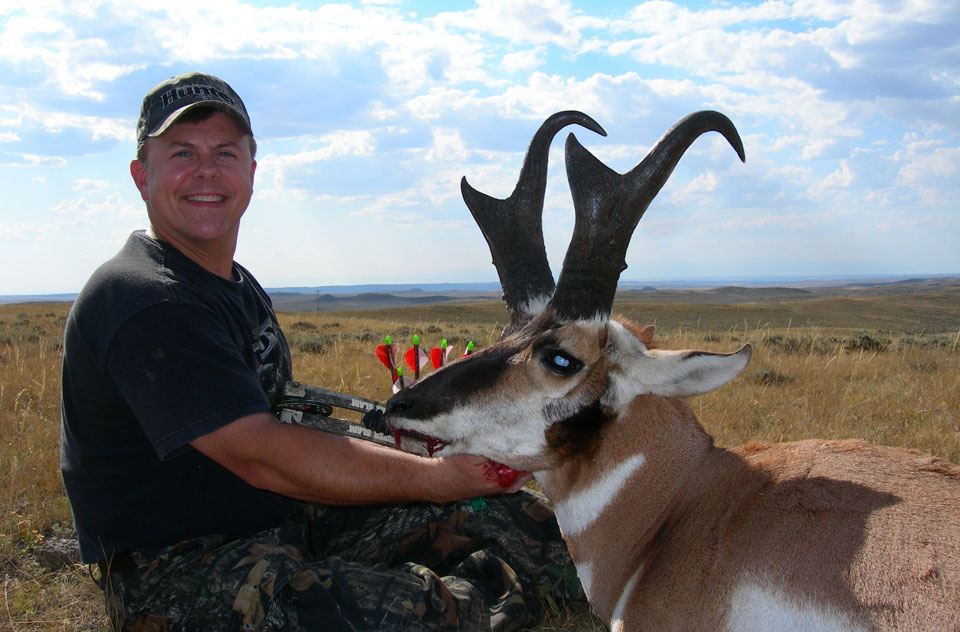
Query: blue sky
x,y
367,114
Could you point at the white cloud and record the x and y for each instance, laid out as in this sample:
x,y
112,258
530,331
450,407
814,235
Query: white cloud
x,y
46,161
395,206
816,148
275,172
524,60
840,178
29,119
931,173
382,113
447,146
23,231
39,35
523,21
89,185
928,163
341,143
113,205
703,184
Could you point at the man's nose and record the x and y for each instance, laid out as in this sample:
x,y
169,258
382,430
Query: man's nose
x,y
207,167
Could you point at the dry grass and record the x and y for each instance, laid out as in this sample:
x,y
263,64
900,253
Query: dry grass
x,y
32,501
890,387
901,390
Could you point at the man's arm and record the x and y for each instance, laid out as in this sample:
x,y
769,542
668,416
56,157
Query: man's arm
x,y
319,467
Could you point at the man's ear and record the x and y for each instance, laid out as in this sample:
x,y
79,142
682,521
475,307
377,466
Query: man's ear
x,y
139,172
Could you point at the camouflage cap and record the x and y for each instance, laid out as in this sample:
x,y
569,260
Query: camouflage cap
x,y
168,100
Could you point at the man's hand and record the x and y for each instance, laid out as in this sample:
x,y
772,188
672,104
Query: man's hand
x,y
463,472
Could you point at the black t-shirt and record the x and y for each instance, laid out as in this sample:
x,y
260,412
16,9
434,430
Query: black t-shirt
x,y
157,352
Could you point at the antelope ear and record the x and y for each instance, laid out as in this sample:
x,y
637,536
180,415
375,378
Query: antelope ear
x,y
686,373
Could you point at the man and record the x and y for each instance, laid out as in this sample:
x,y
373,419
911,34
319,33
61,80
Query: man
x,y
204,512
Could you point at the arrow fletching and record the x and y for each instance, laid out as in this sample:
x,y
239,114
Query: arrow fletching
x,y
402,381
438,356
412,355
384,355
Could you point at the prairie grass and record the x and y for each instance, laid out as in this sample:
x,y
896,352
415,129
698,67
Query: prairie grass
x,y
32,501
899,386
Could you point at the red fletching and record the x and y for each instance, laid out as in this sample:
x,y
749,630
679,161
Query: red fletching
x,y
438,356
390,356
384,356
411,355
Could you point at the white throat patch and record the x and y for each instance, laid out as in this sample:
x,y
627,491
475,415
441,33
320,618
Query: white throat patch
x,y
578,511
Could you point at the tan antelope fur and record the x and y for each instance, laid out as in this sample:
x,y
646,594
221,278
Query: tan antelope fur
x,y
668,531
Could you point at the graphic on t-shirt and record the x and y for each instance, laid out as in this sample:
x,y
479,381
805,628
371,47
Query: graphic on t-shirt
x,y
270,357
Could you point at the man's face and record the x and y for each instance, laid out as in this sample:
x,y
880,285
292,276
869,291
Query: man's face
x,y
197,180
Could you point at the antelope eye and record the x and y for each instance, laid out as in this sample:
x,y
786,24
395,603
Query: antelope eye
x,y
560,362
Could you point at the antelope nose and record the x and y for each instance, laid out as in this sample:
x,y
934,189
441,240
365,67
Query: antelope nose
x,y
398,403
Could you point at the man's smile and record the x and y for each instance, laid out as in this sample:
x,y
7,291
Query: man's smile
x,y
207,197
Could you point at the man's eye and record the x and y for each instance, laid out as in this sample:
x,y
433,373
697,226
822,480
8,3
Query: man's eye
x,y
560,362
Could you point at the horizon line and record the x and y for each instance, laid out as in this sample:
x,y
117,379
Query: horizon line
x,y
703,281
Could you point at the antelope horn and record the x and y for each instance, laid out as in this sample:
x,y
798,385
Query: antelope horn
x,y
513,226
609,205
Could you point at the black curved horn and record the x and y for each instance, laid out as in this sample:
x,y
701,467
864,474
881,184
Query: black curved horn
x,y
608,207
513,226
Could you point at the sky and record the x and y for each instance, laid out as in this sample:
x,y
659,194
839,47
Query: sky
x,y
368,113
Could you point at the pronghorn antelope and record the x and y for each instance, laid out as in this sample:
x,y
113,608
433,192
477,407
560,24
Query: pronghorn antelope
x,y
668,531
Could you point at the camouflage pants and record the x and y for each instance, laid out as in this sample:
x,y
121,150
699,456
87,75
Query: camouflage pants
x,y
481,565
